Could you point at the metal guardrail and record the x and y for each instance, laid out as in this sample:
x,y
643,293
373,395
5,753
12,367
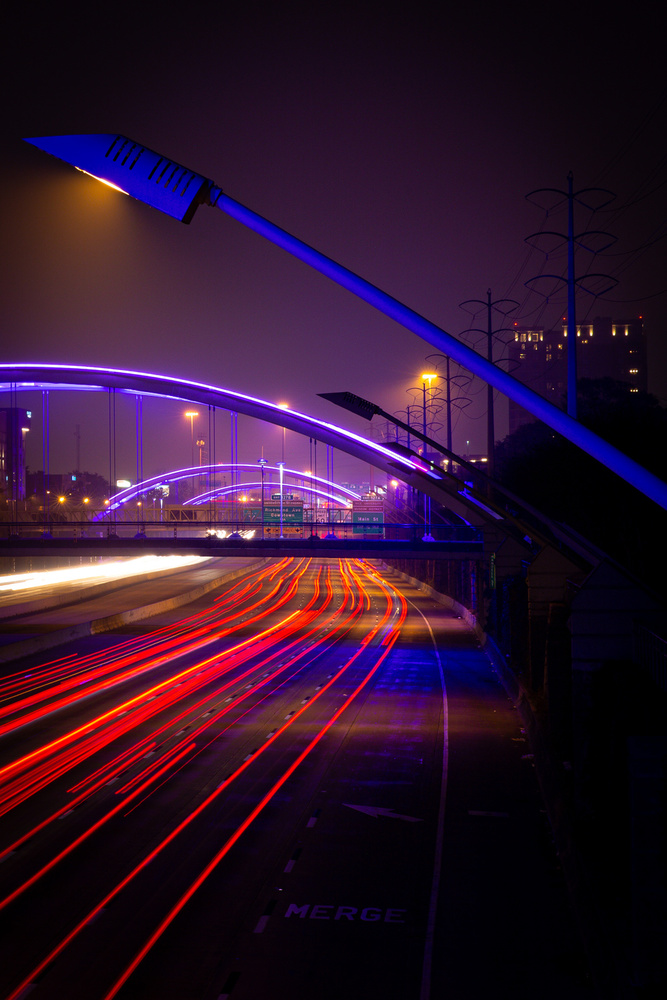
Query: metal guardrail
x,y
386,530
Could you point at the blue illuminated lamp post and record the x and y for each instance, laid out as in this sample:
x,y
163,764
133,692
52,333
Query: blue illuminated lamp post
x,y
166,185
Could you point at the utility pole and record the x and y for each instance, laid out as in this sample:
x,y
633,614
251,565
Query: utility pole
x,y
571,314
594,284
490,333
490,425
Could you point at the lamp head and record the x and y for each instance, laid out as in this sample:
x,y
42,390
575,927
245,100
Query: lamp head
x,y
355,404
133,169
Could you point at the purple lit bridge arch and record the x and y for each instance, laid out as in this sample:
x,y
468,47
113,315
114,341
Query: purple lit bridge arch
x,y
16,378
326,489
497,513
471,503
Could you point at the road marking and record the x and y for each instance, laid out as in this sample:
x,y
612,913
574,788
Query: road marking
x,y
229,985
313,819
264,919
376,811
292,861
427,963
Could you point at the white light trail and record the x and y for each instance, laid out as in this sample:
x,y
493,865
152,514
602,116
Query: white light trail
x,y
97,572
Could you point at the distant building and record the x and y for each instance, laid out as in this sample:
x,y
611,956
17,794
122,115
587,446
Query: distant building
x,y
14,425
605,349
56,483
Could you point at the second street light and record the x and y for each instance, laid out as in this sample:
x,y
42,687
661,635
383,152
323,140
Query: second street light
x,y
192,414
281,466
262,463
283,406
427,378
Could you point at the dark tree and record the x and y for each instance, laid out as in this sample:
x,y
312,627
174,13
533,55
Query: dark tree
x,y
568,485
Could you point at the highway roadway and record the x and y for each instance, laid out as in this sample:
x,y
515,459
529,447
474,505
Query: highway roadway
x,y
306,783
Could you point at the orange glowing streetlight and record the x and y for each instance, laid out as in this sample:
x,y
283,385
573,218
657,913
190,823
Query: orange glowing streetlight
x,y
283,406
427,378
192,414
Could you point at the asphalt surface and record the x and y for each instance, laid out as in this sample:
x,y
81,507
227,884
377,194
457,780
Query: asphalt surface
x,y
307,783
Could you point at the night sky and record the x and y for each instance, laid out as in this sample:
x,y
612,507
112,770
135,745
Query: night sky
x,y
401,141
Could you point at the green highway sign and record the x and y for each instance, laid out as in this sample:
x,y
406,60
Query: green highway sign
x,y
367,522
292,512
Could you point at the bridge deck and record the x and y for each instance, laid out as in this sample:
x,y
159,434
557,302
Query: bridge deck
x,y
362,548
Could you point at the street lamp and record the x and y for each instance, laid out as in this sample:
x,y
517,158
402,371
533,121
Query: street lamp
x,y
281,466
283,406
192,414
166,185
427,378
262,463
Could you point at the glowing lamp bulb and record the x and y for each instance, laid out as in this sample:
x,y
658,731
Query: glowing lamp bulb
x,y
101,180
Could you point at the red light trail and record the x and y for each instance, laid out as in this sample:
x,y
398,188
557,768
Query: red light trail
x,y
183,712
